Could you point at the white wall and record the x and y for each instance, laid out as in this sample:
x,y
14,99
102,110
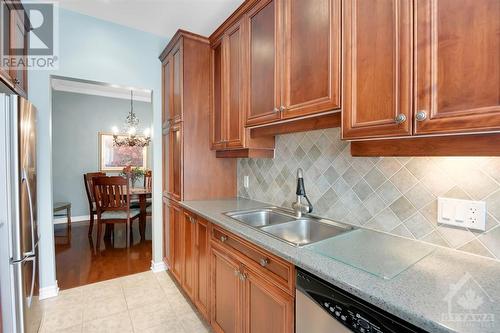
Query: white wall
x,y
97,50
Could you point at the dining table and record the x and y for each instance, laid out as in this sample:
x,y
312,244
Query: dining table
x,y
141,194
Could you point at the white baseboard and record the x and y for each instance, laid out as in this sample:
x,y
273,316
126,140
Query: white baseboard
x,y
157,267
49,292
63,219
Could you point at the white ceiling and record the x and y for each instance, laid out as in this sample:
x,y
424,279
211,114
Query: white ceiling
x,y
160,17
100,89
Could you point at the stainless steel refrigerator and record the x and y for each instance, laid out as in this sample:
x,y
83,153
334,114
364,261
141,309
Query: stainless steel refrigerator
x,y
20,307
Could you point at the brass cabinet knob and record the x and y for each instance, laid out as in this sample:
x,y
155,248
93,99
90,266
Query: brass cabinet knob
x,y
276,110
400,118
421,115
282,108
264,262
223,238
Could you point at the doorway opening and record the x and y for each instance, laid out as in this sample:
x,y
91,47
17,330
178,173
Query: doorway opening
x,y
90,141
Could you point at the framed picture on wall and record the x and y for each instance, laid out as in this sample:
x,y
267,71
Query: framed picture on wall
x,y
112,158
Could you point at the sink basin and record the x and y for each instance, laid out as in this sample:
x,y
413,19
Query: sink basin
x,y
283,225
261,217
305,231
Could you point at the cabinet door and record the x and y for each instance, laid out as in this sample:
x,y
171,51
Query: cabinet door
x,y
235,90
266,307
202,290
175,162
457,66
377,68
19,49
5,31
177,79
263,42
226,293
217,127
312,57
176,239
167,94
167,233
165,160
188,243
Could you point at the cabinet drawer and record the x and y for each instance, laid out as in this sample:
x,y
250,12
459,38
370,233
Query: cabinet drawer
x,y
280,272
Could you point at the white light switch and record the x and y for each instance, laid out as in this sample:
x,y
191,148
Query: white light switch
x,y
462,213
246,181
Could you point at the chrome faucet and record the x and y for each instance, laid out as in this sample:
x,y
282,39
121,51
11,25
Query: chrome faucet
x,y
298,207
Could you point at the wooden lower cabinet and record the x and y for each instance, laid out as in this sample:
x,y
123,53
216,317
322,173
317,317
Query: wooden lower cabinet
x,y
202,265
265,307
221,277
226,293
189,247
167,252
176,266
243,300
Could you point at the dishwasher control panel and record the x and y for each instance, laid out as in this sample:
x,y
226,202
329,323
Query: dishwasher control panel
x,y
354,313
352,319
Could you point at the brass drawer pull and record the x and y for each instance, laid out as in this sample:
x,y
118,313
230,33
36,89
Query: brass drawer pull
x,y
223,238
264,262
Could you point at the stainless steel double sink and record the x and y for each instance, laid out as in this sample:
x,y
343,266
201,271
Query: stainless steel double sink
x,y
282,224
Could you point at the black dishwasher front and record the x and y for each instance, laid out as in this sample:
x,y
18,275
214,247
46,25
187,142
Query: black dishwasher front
x,y
338,311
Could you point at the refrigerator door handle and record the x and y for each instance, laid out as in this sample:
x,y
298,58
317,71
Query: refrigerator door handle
x,y
33,277
24,180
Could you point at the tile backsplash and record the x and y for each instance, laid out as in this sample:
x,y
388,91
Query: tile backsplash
x,y
396,195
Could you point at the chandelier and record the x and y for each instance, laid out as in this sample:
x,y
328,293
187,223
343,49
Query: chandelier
x,y
130,138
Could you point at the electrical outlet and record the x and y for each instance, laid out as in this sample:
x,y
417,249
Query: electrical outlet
x,y
462,213
246,181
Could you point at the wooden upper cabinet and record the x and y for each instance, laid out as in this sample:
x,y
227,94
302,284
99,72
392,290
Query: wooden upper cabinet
x,y
226,293
175,162
165,159
457,66
18,43
377,96
235,113
177,81
312,57
263,39
167,95
217,108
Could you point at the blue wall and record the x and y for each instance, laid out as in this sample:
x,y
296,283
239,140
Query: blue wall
x,y
77,120
93,49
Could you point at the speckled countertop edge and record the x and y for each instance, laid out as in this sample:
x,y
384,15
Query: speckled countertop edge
x,y
415,295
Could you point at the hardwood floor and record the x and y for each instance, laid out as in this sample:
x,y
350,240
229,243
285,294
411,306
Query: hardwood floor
x,y
78,263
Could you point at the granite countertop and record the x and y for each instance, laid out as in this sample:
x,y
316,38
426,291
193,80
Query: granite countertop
x,y
422,295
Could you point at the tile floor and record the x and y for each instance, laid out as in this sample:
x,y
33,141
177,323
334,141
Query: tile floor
x,y
144,302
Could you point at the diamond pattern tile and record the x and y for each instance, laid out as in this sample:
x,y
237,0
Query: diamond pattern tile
x,y
396,195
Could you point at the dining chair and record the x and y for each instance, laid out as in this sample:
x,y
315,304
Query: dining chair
x,y
148,179
89,188
112,195
148,184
